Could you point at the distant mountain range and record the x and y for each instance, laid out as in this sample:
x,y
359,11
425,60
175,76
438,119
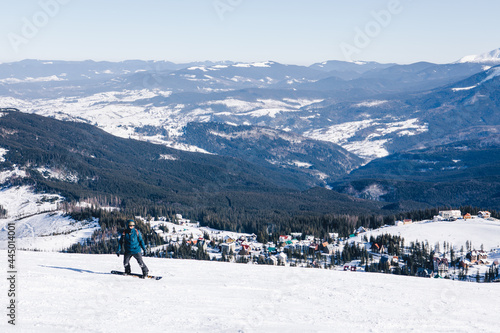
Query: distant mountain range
x,y
80,161
315,123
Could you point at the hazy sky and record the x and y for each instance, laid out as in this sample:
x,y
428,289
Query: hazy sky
x,y
287,31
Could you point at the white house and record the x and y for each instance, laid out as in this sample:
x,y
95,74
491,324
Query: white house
x,y
360,230
484,214
284,238
282,258
450,214
272,260
226,248
334,235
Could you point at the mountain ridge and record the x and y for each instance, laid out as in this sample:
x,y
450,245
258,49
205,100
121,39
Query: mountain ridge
x,y
93,162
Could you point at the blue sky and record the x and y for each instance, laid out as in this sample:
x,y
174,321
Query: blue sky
x,y
287,31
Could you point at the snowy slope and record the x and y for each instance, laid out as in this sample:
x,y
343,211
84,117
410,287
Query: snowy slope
x,y
22,201
122,113
478,231
48,232
76,293
349,134
492,57
39,225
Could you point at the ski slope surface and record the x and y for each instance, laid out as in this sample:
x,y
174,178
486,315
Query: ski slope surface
x,y
76,293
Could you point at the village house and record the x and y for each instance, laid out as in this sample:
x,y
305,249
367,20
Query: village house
x,y
226,248
463,264
378,248
245,250
329,249
398,223
475,256
360,230
334,235
467,216
484,214
450,215
441,266
203,244
284,238
304,246
228,239
384,260
313,248
272,260
407,221
282,258
272,249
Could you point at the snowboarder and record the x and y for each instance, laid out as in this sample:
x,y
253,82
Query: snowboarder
x,y
132,242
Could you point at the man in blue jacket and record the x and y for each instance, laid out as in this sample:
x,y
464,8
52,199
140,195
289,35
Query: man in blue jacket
x,y
132,243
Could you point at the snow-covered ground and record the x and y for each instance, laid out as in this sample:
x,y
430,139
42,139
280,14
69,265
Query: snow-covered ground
x,y
5,175
373,145
75,293
121,113
186,229
3,151
39,225
478,231
48,232
22,201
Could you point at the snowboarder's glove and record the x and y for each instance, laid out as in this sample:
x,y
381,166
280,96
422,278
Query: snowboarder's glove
x,y
118,254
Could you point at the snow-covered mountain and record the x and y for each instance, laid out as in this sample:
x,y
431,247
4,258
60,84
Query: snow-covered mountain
x,y
377,111
489,58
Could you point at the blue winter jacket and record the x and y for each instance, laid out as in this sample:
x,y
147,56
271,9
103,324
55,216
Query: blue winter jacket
x,y
132,242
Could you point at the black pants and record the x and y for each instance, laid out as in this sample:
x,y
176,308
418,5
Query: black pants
x,y
138,257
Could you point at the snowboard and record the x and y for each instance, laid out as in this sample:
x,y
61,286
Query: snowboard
x,y
136,275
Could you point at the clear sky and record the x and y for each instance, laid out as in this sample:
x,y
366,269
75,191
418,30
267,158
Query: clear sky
x,y
287,31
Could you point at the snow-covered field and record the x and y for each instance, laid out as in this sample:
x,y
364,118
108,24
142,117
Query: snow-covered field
x,y
39,225
373,145
59,292
120,113
478,231
22,201
75,293
48,232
